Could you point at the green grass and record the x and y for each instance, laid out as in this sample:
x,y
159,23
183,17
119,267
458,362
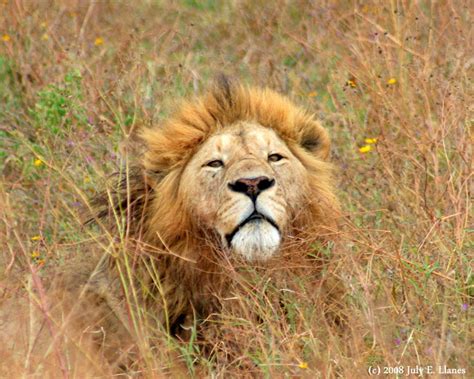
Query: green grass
x,y
406,256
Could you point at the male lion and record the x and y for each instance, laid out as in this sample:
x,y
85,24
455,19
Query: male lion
x,y
238,176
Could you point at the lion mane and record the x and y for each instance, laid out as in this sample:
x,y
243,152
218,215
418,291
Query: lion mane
x,y
178,261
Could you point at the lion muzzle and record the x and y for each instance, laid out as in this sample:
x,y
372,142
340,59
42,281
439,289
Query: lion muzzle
x,y
258,237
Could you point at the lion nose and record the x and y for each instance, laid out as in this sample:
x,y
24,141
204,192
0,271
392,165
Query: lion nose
x,y
252,187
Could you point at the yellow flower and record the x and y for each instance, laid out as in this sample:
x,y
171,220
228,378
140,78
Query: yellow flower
x,y
44,37
6,38
87,179
35,254
312,94
38,162
370,141
44,24
35,238
303,365
99,41
352,83
392,81
365,149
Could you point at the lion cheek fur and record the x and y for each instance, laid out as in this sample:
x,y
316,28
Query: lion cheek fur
x,y
256,241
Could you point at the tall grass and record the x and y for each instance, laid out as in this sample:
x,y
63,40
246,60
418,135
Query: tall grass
x,y
78,79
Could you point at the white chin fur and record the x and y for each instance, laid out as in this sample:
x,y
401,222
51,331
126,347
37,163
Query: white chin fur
x,y
256,240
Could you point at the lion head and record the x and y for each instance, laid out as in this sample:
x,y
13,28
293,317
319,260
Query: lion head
x,y
243,167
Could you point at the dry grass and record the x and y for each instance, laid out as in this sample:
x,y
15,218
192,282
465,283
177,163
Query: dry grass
x,y
77,79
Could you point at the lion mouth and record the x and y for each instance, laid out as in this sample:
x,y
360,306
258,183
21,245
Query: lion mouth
x,y
255,216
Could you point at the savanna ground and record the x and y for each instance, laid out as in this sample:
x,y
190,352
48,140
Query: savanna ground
x,y
392,83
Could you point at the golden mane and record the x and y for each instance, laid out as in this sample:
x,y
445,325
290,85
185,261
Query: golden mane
x,y
148,197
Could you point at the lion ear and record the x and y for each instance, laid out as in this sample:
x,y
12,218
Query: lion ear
x,y
315,139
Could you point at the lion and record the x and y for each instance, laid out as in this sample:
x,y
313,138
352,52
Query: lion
x,y
238,176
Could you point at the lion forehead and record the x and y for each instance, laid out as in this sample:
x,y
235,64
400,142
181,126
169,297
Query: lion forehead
x,y
220,145
257,136
240,140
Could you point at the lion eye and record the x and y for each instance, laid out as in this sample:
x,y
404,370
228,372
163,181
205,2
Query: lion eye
x,y
275,157
215,164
